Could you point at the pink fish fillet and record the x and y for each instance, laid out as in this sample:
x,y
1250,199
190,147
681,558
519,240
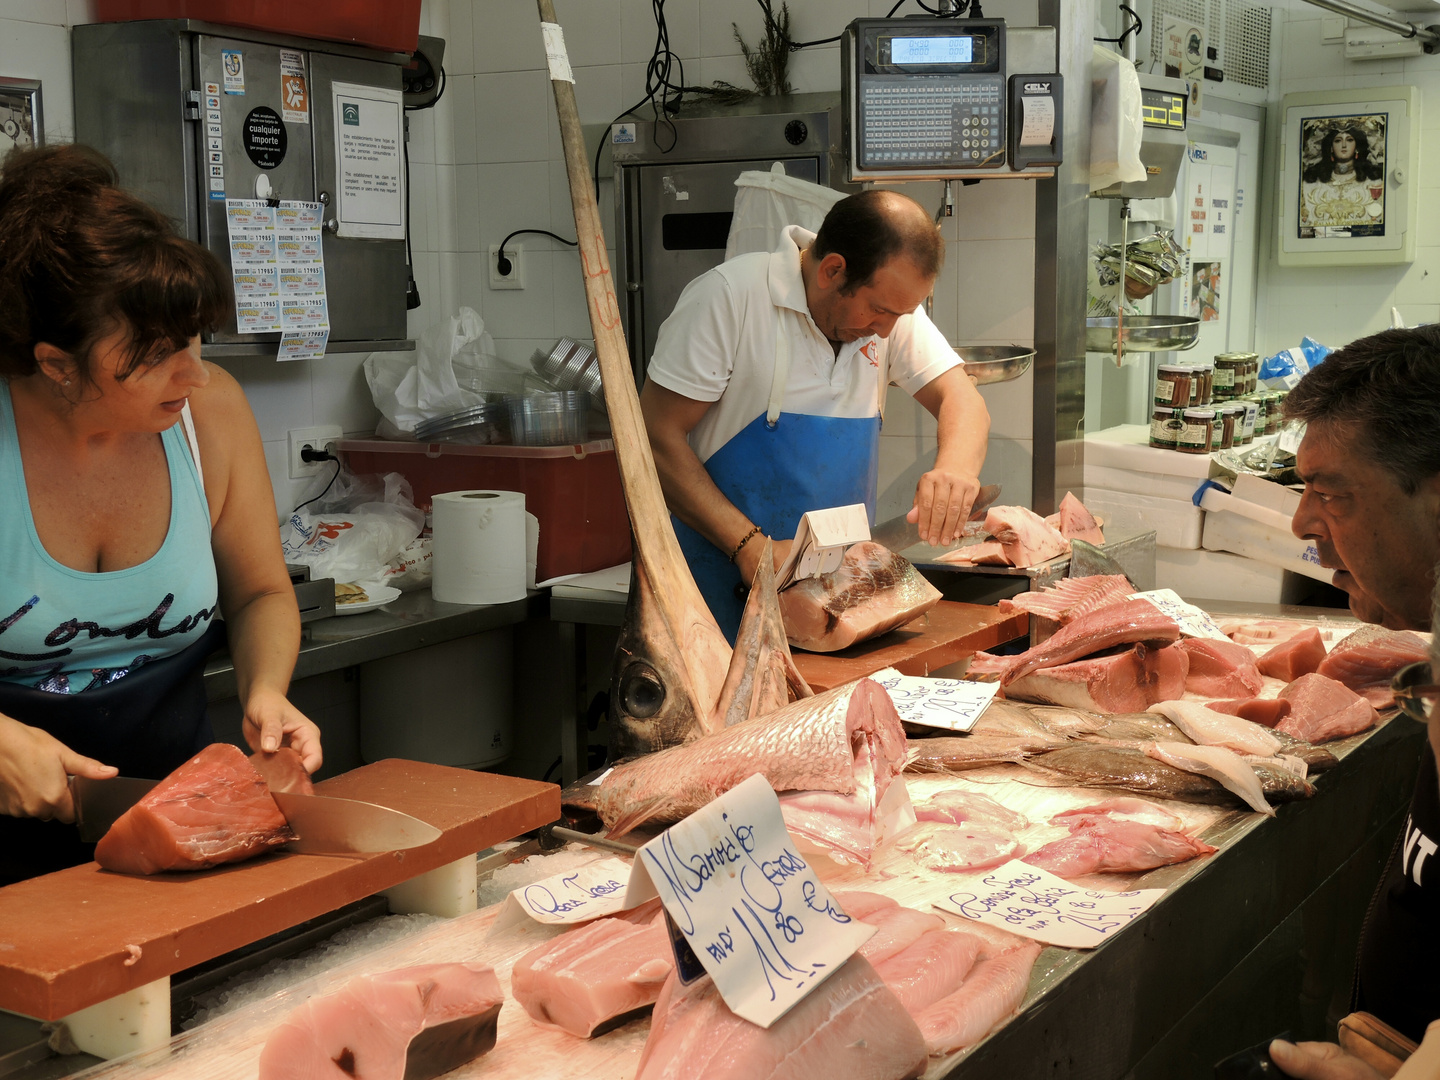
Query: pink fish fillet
x,y
1130,681
411,1024
872,591
1368,659
958,847
990,993
858,904
1121,808
1299,655
1322,709
851,1025
1115,847
1070,598
1024,535
813,744
844,825
931,968
1075,522
1116,624
1266,711
594,977
1260,631
985,553
956,805
1221,669
283,771
895,929
213,809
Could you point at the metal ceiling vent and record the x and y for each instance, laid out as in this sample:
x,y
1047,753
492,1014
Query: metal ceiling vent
x,y
1240,34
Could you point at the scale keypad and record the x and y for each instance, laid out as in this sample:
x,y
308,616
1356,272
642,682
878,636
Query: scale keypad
x,y
915,121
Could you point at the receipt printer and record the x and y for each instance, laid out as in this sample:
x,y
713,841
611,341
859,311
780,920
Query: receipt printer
x,y
1037,109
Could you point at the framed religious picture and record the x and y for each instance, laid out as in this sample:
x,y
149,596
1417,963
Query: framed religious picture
x,y
1349,177
20,119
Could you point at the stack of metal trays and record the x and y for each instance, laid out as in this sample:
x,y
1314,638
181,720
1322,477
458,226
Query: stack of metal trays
x,y
555,419
478,425
570,366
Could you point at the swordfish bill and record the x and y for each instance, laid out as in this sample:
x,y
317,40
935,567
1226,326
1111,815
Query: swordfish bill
x,y
672,659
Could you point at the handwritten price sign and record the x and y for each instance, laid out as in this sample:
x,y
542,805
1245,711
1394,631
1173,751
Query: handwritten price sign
x,y
1029,901
747,905
952,704
587,893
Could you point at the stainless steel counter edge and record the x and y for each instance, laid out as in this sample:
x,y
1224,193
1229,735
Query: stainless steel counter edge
x,y
413,621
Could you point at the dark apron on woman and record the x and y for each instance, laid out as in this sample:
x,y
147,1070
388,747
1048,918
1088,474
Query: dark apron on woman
x,y
146,724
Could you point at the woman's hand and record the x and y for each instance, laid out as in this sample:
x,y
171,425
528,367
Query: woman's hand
x,y
34,767
272,722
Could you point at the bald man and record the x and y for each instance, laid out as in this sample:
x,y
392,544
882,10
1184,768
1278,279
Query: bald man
x,y
764,395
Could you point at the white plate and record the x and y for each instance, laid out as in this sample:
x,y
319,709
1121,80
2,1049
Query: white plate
x,y
379,595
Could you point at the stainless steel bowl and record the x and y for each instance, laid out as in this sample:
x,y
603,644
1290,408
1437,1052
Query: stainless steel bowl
x,y
1143,333
995,363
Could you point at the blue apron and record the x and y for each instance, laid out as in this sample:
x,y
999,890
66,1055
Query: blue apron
x,y
775,470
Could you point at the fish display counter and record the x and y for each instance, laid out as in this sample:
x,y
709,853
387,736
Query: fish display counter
x,y
1252,933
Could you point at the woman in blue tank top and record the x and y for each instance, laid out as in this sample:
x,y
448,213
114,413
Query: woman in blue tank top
x,y
125,528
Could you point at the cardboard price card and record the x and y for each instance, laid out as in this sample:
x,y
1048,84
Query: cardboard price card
x,y
820,542
596,889
952,704
748,906
1027,900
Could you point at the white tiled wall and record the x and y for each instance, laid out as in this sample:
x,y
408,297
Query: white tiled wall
x,y
1335,305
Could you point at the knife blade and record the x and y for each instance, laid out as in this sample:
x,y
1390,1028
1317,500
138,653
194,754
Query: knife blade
x,y
324,825
897,534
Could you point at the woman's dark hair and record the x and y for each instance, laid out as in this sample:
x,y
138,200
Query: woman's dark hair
x,y
81,258
871,228
1324,169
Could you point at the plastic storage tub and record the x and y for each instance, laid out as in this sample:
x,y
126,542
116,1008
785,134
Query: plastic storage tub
x,y
574,491
392,25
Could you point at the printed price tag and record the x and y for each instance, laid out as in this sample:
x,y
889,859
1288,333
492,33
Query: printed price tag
x,y
577,896
952,704
307,345
1026,900
748,906
1193,621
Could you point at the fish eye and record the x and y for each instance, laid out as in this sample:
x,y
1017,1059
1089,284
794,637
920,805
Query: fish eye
x,y
641,692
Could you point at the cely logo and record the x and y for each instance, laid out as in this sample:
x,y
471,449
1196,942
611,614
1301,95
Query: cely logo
x,y
350,114
1037,88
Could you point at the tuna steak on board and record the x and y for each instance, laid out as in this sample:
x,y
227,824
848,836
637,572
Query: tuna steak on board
x,y
1124,682
1115,624
1322,709
412,1024
1368,659
1300,655
872,591
214,809
1074,522
1220,669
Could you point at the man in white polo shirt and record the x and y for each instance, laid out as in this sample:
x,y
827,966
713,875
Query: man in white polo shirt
x,y
763,397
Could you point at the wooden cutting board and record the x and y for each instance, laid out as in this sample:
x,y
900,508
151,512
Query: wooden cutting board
x,y
948,632
80,936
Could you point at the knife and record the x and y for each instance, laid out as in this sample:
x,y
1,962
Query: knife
x,y
324,825
897,534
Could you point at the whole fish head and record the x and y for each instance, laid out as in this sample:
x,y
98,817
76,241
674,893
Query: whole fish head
x,y
669,663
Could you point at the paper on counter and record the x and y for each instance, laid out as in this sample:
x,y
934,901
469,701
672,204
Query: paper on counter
x,y
578,896
1026,900
952,704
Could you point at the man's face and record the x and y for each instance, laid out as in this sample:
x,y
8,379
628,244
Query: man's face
x,y
1342,146
1383,543
897,288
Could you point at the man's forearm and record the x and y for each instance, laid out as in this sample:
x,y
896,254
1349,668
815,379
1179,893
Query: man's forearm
x,y
964,428
693,497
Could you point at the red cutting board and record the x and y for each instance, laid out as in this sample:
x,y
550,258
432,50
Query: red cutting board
x,y
948,632
64,937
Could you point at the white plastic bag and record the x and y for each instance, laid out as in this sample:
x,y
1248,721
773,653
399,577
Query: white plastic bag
x,y
448,354
353,532
1116,121
766,202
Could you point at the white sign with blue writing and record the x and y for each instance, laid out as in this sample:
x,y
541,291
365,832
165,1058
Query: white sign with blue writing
x,y
581,894
1036,904
952,704
1193,621
746,903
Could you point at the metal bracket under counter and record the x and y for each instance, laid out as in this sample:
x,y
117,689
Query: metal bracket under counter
x,y
413,621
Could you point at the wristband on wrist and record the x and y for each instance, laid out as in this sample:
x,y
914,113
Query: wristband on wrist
x,y
743,541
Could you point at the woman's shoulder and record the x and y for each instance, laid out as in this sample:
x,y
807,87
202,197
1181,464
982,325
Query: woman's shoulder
x,y
221,400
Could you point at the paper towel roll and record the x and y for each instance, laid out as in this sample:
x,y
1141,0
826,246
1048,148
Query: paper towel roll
x,y
478,547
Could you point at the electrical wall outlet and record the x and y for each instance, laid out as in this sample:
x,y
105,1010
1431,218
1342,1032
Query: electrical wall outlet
x,y
516,278
315,437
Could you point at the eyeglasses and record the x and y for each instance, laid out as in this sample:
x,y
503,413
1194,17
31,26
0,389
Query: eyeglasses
x,y
1414,692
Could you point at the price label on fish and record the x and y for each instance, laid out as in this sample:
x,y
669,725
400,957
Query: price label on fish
x,y
1027,900
585,893
746,903
1193,621
952,704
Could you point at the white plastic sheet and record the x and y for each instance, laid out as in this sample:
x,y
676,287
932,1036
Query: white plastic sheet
x,y
1116,121
766,202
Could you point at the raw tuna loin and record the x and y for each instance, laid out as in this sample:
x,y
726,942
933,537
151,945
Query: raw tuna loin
x,y
1296,656
1368,659
1221,669
213,809
1130,681
1322,709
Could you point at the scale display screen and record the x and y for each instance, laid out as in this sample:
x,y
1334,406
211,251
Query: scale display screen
x,y
1163,109
935,50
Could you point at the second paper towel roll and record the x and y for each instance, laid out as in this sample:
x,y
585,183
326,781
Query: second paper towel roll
x,y
478,545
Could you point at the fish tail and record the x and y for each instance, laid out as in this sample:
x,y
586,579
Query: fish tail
x,y
635,817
